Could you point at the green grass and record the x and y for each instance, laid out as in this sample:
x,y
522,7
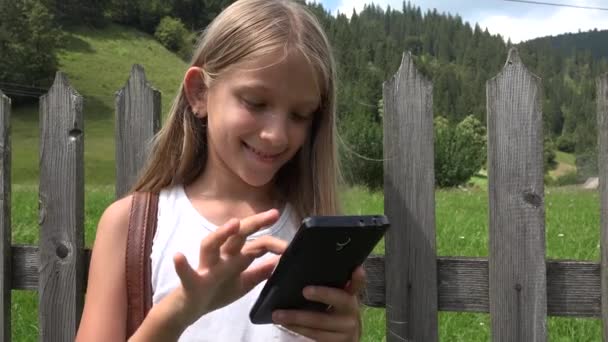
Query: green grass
x,y
572,232
98,64
565,158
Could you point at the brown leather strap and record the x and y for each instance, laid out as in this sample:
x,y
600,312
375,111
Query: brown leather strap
x,y
142,225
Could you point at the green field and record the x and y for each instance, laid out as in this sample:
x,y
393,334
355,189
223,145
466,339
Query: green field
x,y
97,63
572,233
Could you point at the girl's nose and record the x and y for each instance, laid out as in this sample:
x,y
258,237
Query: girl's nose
x,y
275,130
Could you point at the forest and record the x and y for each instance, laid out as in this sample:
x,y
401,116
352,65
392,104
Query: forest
x,y
459,57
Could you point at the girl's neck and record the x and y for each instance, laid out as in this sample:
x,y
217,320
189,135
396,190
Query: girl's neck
x,y
223,185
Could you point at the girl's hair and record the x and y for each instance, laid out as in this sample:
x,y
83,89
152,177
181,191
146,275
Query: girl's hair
x,y
246,31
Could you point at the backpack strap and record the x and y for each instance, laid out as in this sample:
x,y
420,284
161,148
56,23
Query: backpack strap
x,y
142,226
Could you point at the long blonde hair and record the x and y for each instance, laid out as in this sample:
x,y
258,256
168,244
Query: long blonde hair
x,y
245,31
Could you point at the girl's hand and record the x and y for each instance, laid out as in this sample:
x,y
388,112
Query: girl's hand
x,y
222,275
341,323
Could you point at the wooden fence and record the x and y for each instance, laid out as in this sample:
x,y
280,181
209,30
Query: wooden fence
x,y
515,284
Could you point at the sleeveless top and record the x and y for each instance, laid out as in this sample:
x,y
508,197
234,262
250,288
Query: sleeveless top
x,y
181,228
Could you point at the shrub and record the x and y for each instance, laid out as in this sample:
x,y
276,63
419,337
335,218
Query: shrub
x,y
550,163
569,178
566,143
586,164
361,151
460,150
172,34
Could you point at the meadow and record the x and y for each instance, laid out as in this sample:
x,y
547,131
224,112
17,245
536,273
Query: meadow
x,y
572,231
98,62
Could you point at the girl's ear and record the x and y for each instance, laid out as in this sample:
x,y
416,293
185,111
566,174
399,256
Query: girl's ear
x,y
196,91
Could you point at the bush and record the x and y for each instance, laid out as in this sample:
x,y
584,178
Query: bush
x,y
460,151
570,178
566,143
586,164
550,163
361,152
172,34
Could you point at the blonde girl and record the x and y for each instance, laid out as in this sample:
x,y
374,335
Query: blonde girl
x,y
248,150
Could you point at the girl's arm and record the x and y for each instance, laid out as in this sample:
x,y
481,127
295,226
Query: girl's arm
x,y
105,310
221,277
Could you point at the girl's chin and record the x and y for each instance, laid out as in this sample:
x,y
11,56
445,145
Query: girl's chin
x,y
257,181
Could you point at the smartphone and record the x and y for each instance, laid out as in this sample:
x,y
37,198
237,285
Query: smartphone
x,y
324,252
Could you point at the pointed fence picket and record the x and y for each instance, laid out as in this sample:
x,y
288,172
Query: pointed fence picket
x,y
516,285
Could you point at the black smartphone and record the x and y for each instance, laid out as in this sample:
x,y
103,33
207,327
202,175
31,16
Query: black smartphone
x,y
324,252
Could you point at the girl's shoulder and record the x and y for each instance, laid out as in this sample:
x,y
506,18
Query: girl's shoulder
x,y
116,216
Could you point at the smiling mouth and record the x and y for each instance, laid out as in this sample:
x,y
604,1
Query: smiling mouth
x,y
262,155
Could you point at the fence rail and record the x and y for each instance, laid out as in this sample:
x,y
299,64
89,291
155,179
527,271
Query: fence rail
x,y
516,285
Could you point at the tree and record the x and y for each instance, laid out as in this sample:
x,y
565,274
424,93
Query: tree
x,y
29,38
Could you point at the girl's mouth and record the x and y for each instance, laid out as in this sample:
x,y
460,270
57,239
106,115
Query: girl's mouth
x,y
267,157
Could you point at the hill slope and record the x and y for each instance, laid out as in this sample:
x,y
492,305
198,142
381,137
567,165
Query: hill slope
x,y
97,63
594,41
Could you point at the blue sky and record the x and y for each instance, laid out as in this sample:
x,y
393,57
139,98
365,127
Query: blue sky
x,y
518,21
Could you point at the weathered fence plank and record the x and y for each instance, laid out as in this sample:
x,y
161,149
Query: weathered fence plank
x,y
61,198
518,304
409,202
602,132
138,108
5,217
573,287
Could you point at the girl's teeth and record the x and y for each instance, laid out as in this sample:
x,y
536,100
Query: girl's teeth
x,y
266,156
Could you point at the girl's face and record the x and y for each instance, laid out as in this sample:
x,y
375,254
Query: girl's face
x,y
259,115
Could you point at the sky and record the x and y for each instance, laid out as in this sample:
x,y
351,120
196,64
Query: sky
x,y
518,21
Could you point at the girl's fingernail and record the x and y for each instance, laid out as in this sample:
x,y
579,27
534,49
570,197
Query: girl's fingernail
x,y
309,291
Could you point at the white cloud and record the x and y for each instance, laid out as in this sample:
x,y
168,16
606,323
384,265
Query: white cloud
x,y
511,20
561,21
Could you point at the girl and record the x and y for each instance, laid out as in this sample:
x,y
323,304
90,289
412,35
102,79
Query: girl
x,y
247,152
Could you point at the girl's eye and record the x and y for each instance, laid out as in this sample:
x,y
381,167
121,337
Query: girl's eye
x,y
254,105
300,117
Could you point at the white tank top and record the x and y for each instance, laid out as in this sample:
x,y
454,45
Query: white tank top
x,y
180,229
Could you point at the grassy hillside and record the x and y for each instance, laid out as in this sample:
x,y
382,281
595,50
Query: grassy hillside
x,y
97,63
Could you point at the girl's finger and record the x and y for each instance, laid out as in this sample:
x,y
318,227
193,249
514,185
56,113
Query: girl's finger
x,y
357,282
315,320
185,273
266,244
248,226
252,224
254,275
339,299
210,246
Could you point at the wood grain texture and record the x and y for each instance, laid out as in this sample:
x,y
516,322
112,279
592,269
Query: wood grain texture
x,y
573,286
409,197
602,131
61,200
518,301
5,217
138,108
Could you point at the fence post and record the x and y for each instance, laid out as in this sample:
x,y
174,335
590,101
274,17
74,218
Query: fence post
x,y
602,132
138,108
5,217
517,271
409,202
61,200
